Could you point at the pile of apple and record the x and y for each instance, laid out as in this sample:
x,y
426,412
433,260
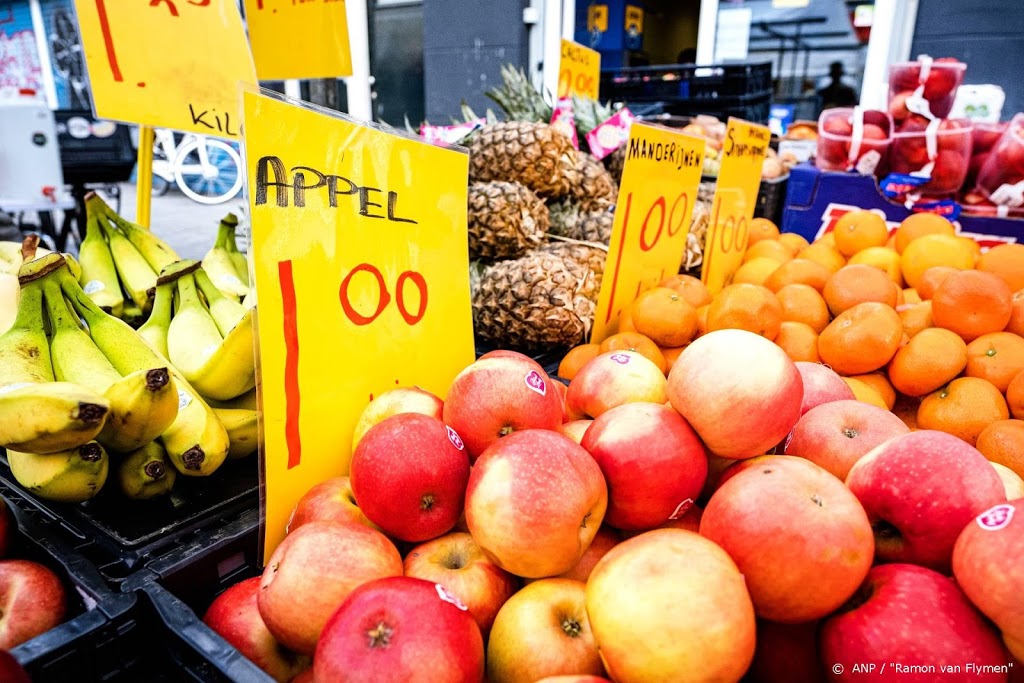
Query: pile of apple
x,y
32,600
520,534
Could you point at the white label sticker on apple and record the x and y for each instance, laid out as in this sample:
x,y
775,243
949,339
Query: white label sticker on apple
x,y
184,398
535,382
448,596
620,358
682,509
93,286
997,517
455,438
14,387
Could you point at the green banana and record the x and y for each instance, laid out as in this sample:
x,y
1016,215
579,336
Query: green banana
x,y
250,299
24,351
142,404
196,441
156,252
247,401
137,276
154,330
225,312
99,276
218,368
73,265
73,475
145,473
237,258
221,268
243,430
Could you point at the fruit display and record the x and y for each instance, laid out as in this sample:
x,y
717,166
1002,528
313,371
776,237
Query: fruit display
x,y
1002,170
705,494
853,138
927,84
86,399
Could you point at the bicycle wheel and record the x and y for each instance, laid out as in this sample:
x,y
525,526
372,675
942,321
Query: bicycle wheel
x,y
218,182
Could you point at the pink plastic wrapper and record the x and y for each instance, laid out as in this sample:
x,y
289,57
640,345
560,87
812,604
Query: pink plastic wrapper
x,y
450,135
854,139
926,87
611,134
564,120
1001,178
939,150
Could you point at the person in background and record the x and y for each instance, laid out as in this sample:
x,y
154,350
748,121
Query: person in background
x,y
837,93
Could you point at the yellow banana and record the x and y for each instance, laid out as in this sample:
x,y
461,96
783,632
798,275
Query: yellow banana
x,y
156,252
69,476
142,404
99,276
250,299
73,265
226,313
196,441
50,417
246,401
221,268
145,473
243,430
218,368
239,260
136,275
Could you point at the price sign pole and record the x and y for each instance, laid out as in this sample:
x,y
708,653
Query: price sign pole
x,y
361,261
652,219
166,63
732,208
579,71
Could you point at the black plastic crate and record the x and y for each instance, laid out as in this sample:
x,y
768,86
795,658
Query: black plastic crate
x,y
771,199
174,591
688,82
85,646
119,535
548,359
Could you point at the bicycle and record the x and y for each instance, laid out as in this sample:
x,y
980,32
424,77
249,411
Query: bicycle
x,y
205,170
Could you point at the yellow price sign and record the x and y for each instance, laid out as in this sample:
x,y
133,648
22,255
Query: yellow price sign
x,y
361,264
166,63
299,38
579,72
652,218
597,18
732,208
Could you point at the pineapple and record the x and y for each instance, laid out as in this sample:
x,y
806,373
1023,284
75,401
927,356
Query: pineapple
x,y
591,186
568,220
505,220
533,154
591,258
538,302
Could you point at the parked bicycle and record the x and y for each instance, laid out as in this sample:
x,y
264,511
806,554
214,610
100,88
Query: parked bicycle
x,y
206,170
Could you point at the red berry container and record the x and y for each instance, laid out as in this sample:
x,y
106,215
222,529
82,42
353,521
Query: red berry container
x,y
941,79
985,137
1005,163
950,151
836,139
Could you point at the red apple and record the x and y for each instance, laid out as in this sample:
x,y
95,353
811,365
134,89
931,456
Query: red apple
x,y
821,385
396,402
836,435
874,132
505,353
235,616
534,501
329,501
652,460
734,377
613,379
33,601
914,618
605,539
12,672
574,679
898,105
800,538
690,520
313,571
409,476
575,429
543,631
786,653
562,389
838,125
400,630
498,395
988,563
669,605
940,84
305,677
920,490
455,562
717,466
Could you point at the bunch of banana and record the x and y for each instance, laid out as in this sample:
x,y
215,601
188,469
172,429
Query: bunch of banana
x,y
120,261
12,256
227,267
